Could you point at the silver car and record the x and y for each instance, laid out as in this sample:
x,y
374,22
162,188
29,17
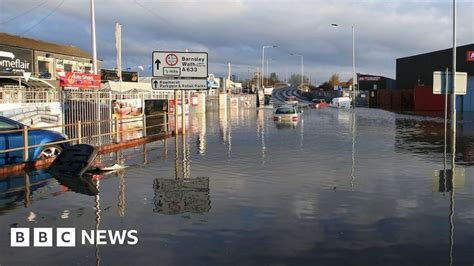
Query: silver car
x,y
286,114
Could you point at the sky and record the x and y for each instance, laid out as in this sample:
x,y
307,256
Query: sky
x,y
235,30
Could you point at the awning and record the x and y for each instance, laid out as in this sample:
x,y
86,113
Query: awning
x,y
32,83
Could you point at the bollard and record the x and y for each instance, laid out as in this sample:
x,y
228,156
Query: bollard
x,y
25,143
79,132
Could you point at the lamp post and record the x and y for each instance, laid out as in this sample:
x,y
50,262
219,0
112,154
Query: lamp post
x,y
263,62
302,68
94,46
268,72
453,93
353,62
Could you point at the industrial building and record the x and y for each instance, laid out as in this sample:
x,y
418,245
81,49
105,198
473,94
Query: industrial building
x,y
415,74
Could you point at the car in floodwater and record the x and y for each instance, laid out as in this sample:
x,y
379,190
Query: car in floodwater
x,y
286,114
11,136
318,104
341,102
291,100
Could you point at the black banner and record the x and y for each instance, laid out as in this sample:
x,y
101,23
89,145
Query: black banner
x,y
13,59
111,75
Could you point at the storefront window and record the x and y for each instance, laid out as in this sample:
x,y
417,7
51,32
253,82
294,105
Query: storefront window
x,y
45,67
67,67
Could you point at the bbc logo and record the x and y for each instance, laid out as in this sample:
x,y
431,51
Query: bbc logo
x,y
42,237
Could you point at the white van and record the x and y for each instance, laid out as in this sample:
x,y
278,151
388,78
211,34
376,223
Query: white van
x,y
268,91
341,102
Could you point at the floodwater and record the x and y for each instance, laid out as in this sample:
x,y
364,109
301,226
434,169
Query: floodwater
x,y
339,188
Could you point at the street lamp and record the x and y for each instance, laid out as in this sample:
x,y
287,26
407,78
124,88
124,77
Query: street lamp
x,y
94,46
268,72
263,61
353,62
302,68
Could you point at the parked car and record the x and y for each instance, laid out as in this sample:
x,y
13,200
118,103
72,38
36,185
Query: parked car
x,y
318,104
341,102
286,114
268,100
291,100
10,140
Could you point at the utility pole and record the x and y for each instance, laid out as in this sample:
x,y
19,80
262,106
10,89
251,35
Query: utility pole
x,y
453,93
118,47
94,46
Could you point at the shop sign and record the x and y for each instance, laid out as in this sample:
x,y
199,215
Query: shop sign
x,y
13,59
470,56
80,80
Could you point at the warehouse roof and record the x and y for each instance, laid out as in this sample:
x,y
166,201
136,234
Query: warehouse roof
x,y
29,43
447,50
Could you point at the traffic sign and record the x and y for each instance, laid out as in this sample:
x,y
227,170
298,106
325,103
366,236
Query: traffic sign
x,y
178,84
180,64
439,83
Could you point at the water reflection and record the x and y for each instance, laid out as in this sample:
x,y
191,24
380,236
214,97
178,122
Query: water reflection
x,y
181,195
426,137
201,134
290,209
19,187
84,184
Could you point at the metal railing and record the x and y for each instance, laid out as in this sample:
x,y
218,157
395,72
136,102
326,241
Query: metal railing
x,y
14,95
117,135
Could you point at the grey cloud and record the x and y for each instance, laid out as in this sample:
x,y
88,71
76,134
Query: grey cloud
x,y
234,31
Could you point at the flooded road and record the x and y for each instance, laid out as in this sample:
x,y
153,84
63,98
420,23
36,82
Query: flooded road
x,y
340,188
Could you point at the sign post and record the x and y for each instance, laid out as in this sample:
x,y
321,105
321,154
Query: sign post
x,y
443,83
182,71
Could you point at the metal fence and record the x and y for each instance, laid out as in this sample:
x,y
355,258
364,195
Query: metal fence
x,y
118,133
14,95
93,109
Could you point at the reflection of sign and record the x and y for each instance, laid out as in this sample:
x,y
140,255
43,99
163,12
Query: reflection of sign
x,y
178,84
80,80
439,83
181,196
470,56
14,59
180,64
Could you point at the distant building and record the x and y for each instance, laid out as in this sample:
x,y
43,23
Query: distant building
x,y
417,70
373,82
43,59
415,73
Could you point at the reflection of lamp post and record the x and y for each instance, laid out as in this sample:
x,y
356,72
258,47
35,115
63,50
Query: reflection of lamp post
x,y
353,62
263,62
302,69
453,93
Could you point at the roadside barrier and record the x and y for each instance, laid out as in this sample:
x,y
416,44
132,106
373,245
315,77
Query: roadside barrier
x,y
119,133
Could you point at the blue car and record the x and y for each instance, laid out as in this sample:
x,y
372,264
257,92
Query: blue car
x,y
10,140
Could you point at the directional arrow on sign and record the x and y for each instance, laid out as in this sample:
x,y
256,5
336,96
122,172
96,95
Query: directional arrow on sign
x,y
158,62
155,84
